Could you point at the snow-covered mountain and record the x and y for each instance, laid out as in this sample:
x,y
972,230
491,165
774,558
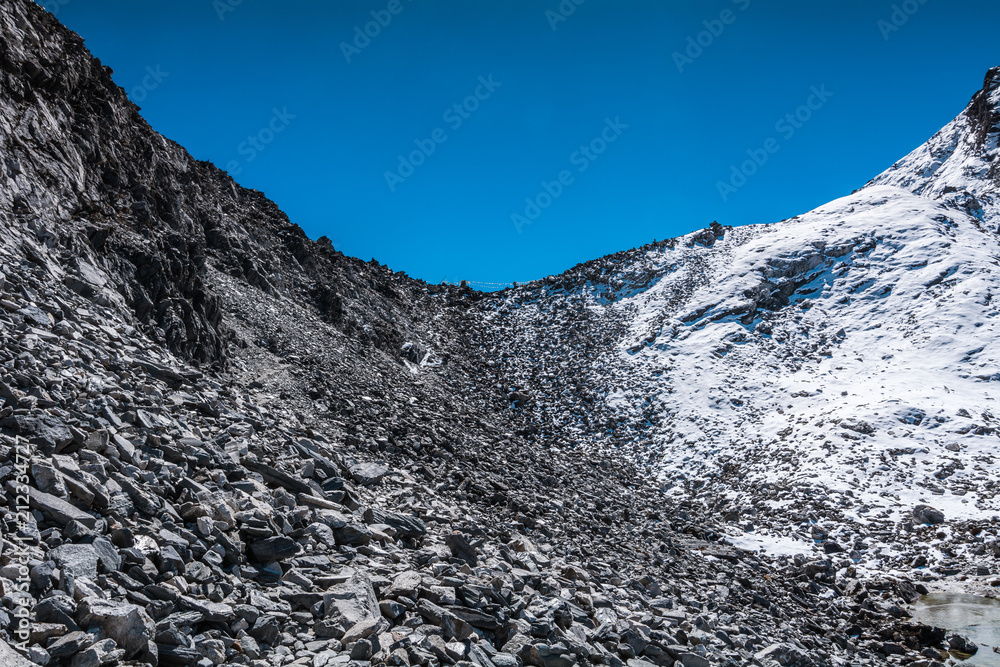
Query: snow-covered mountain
x,y
821,375
958,164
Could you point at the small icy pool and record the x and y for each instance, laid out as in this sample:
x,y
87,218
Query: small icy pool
x,y
972,615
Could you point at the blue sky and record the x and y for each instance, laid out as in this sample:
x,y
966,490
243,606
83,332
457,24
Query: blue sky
x,y
505,140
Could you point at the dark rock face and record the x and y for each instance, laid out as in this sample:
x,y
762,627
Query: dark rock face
x,y
274,548
983,113
131,217
250,449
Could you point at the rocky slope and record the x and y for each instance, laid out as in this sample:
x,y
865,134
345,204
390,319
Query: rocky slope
x,y
238,446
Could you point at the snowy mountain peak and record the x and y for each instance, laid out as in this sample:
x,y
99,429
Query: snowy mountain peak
x,y
984,109
958,164
840,367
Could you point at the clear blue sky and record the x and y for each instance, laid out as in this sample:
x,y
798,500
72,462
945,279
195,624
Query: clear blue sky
x,y
222,68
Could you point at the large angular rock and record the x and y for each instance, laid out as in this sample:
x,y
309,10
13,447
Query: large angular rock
x,y
36,316
11,658
48,479
549,656
80,560
275,476
782,653
129,625
58,608
461,548
406,525
363,629
369,474
353,534
962,644
56,509
274,548
177,655
927,514
218,612
104,652
475,618
144,502
266,629
47,432
351,602
67,645
405,584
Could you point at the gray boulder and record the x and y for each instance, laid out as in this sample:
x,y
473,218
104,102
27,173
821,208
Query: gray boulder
x,y
105,652
351,602
56,509
928,515
369,474
274,548
406,525
11,658
80,560
129,625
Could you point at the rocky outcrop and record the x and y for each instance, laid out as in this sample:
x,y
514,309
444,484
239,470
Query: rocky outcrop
x,y
129,216
983,111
